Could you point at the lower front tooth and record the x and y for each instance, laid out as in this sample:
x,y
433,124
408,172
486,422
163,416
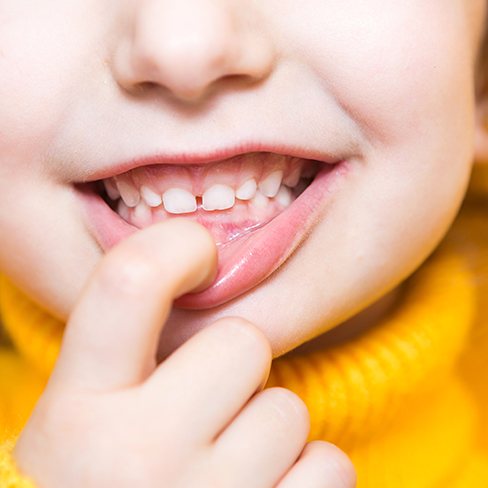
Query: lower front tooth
x,y
142,214
260,200
178,201
123,210
218,197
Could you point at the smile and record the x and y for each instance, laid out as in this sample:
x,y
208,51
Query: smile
x,y
258,206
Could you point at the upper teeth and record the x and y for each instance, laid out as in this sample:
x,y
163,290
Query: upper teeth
x,y
112,190
218,197
293,178
152,198
177,200
129,194
247,190
271,184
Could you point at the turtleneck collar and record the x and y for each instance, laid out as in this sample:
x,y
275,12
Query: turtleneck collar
x,y
355,388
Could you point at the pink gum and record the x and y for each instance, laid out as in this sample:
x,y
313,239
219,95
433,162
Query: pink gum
x,y
197,179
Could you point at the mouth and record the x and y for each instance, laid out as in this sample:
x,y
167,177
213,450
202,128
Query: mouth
x,y
258,206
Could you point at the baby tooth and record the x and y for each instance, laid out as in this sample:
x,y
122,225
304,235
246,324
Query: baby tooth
x,y
247,190
178,201
152,198
123,210
142,215
218,197
292,179
128,193
112,190
260,200
284,197
271,184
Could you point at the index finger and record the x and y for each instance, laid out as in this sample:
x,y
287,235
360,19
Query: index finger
x,y
112,335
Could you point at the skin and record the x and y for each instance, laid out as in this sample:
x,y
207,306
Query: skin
x,y
121,409
389,84
403,114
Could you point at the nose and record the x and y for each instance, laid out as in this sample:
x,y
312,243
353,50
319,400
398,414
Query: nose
x,y
187,46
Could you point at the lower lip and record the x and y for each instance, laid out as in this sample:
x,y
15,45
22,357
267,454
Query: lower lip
x,y
246,261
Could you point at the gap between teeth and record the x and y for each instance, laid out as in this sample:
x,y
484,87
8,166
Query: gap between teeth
x,y
217,197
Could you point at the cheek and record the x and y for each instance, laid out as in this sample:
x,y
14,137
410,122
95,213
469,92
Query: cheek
x,y
43,58
387,64
405,78
403,72
42,54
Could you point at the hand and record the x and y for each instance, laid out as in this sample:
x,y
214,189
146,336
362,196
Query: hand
x,y
110,416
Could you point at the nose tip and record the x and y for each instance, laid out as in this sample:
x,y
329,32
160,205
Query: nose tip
x,y
187,50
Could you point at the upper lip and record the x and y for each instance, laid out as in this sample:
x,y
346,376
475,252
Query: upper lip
x,y
222,154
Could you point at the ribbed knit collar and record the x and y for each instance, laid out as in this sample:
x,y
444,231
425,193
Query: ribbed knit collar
x,y
354,389
351,389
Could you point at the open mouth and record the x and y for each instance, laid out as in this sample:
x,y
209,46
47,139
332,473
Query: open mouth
x,y
258,207
230,198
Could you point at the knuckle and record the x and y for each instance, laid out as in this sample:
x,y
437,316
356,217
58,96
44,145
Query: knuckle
x,y
291,407
335,462
246,335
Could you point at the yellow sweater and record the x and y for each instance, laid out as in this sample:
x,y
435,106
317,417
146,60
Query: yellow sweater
x,y
407,400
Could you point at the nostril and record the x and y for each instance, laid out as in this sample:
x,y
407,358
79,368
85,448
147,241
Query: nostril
x,y
146,86
188,47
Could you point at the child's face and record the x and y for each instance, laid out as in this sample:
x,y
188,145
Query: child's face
x,y
388,86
